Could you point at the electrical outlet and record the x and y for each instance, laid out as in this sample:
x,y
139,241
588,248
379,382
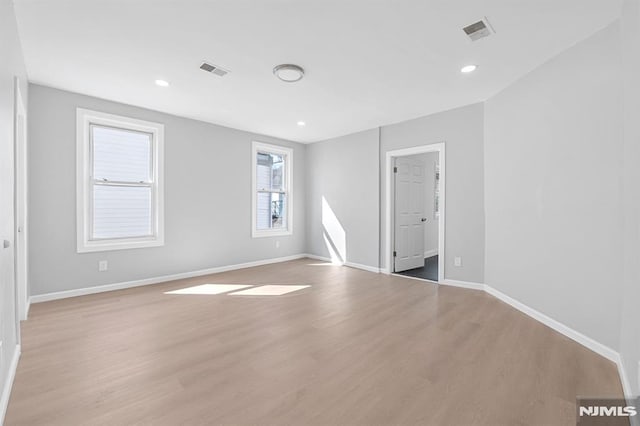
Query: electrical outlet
x,y
103,266
277,244
457,261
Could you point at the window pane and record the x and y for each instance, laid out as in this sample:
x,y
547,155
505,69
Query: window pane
x,y
278,211
121,155
121,211
263,212
271,210
270,172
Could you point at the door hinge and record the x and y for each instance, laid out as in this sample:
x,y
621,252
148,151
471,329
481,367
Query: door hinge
x,y
395,170
395,254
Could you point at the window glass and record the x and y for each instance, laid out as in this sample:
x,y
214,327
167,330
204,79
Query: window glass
x,y
121,155
121,211
269,172
271,211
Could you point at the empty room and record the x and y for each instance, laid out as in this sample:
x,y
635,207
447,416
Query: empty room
x,y
304,212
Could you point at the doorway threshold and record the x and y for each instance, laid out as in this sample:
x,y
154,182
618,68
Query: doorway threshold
x,y
397,274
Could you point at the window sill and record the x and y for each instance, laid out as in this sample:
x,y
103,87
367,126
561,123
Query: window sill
x,y
278,233
109,245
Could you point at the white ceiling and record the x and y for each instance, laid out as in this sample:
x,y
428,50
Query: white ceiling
x,y
367,62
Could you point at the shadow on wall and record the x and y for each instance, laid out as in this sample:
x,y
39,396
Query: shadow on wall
x,y
335,238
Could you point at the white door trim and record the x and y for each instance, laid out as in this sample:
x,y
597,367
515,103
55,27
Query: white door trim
x,y
390,155
21,208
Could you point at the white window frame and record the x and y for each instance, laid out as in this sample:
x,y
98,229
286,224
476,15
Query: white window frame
x,y
288,188
84,181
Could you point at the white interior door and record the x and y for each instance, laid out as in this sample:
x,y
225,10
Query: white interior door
x,y
409,213
7,227
21,206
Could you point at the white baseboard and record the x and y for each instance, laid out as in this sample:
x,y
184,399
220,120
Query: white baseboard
x,y
349,264
588,342
574,335
155,280
463,284
626,389
321,258
8,384
430,253
626,386
363,267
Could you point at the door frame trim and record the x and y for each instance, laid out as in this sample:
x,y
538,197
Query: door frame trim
x,y
390,235
21,209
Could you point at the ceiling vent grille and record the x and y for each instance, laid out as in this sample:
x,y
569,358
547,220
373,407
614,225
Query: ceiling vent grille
x,y
213,69
479,29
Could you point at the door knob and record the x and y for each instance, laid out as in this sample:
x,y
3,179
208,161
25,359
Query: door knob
x,y
6,244
424,219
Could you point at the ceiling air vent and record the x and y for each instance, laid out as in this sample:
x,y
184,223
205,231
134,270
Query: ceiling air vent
x,y
479,29
214,69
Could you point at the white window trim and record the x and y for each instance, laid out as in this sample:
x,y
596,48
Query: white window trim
x,y
85,118
275,149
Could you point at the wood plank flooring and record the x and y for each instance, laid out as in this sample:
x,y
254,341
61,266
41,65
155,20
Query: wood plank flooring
x,y
353,348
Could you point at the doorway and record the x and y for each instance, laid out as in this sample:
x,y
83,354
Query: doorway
x,y
415,212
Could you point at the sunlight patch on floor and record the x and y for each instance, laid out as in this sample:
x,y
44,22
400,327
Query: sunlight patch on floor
x,y
270,290
209,289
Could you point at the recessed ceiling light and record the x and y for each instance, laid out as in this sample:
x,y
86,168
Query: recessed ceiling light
x,y
289,73
468,68
162,83
301,123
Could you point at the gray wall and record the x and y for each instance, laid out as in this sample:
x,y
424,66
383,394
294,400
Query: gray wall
x,y
207,198
552,187
345,172
11,65
461,130
630,332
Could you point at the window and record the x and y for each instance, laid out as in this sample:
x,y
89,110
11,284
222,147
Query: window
x,y
119,182
272,190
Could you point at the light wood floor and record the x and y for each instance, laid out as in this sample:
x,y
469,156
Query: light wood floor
x,y
353,348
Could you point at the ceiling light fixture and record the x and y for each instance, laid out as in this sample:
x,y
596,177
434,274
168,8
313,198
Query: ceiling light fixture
x,y
162,83
289,73
468,68
301,123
